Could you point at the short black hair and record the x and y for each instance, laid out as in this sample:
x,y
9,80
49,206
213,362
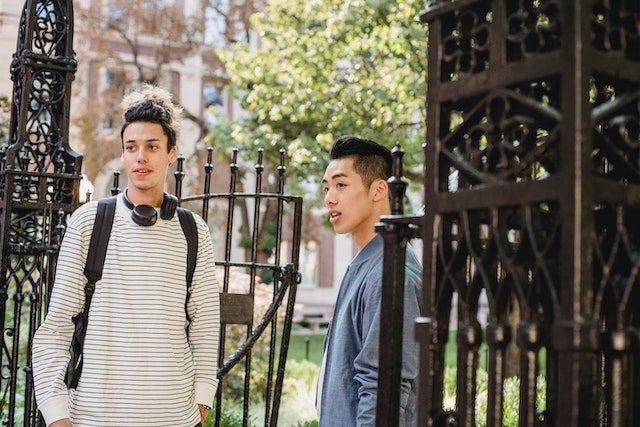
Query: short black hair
x,y
371,160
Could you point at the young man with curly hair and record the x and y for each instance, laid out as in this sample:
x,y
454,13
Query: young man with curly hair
x,y
141,366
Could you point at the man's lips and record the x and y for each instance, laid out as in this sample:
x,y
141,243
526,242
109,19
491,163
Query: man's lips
x,y
142,171
334,216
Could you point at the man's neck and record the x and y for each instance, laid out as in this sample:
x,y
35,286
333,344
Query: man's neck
x,y
362,239
367,231
152,197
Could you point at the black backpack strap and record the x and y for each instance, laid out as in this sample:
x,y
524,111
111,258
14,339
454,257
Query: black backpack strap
x,y
93,272
99,240
188,224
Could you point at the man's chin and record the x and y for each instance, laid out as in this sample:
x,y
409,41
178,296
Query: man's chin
x,y
340,230
141,186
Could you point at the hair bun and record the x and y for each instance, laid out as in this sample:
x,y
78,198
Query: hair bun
x,y
148,94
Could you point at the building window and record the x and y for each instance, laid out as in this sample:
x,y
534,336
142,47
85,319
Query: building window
x,y
213,103
116,10
114,88
215,30
309,257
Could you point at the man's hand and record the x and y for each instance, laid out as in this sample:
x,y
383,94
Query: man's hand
x,y
203,413
65,422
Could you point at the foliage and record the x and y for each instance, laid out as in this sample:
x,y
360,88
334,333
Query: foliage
x,y
511,396
266,239
230,416
5,118
326,68
296,406
137,41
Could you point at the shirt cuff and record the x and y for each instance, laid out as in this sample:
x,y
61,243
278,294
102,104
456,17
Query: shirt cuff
x,y
205,392
54,409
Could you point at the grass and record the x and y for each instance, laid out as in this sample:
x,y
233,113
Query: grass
x,y
297,346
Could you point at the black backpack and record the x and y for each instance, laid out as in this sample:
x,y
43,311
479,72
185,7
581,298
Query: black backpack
x,y
93,272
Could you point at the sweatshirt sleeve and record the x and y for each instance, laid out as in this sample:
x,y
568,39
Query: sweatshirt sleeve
x,y
366,362
52,339
204,311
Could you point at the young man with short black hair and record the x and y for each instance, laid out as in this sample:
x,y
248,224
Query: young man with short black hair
x,y
356,194
140,365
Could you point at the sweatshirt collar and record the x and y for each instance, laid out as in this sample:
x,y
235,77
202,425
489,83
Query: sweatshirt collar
x,y
374,246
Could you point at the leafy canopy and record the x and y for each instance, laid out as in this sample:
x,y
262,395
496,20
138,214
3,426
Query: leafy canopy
x,y
326,68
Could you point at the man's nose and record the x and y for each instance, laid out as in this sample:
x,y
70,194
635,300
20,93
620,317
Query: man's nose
x,y
141,156
328,198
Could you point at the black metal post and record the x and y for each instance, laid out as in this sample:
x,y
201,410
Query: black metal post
x,y
115,189
179,176
274,323
208,169
38,173
396,235
233,167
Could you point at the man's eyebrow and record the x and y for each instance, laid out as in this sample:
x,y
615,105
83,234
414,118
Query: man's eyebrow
x,y
337,175
131,141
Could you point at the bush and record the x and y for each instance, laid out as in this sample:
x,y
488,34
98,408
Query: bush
x,y
231,416
297,404
511,396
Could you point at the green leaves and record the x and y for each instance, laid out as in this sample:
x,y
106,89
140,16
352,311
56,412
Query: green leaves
x,y
326,68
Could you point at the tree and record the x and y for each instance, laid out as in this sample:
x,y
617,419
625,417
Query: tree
x,y
142,41
136,42
145,41
326,68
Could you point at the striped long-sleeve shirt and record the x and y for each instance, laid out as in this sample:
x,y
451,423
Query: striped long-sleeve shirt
x,y
140,369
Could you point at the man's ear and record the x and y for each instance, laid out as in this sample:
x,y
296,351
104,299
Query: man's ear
x,y
379,190
173,155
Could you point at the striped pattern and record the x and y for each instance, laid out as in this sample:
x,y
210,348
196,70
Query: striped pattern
x,y
139,367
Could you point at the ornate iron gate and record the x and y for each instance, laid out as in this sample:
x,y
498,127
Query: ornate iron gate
x,y
532,189
39,186
39,183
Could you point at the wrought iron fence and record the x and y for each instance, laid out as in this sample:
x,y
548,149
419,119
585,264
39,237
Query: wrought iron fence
x,y
39,186
532,191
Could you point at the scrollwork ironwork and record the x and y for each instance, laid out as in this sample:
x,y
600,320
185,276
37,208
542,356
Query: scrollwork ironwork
x,y
508,254
38,173
505,136
51,29
616,129
533,27
465,41
615,27
615,242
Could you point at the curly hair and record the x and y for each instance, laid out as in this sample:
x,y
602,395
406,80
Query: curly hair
x,y
152,104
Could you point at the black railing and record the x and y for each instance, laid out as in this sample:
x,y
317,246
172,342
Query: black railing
x,y
532,195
